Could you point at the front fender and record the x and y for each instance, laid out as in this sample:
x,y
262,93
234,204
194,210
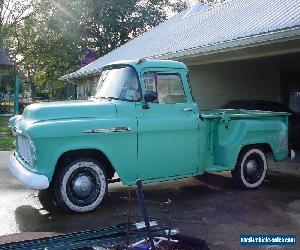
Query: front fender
x,y
78,145
120,148
13,120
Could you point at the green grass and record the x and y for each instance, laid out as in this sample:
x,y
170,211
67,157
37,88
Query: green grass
x,y
4,124
6,143
6,137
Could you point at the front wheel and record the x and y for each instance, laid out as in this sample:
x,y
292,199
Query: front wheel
x,y
81,185
251,168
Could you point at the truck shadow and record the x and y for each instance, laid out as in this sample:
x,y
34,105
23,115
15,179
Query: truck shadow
x,y
221,182
282,182
185,189
275,181
193,201
29,219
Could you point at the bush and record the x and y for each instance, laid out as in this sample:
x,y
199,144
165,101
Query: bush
x,y
6,137
6,143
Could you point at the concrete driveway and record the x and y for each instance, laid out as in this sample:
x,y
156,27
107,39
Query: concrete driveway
x,y
209,207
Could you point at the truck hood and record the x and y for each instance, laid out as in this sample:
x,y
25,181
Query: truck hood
x,y
68,110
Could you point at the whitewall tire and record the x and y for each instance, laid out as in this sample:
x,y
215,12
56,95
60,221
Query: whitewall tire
x,y
251,168
81,186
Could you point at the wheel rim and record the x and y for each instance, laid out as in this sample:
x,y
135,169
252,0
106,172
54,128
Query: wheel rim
x,y
83,186
253,168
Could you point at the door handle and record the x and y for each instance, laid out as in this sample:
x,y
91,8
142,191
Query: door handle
x,y
187,109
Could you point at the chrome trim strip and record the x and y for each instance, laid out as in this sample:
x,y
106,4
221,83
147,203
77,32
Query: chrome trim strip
x,y
109,130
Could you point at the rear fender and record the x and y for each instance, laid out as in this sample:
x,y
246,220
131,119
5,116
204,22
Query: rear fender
x,y
228,142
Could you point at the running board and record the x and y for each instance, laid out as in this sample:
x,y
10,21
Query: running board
x,y
217,168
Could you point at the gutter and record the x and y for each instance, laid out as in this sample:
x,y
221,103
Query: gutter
x,y
238,43
224,46
68,81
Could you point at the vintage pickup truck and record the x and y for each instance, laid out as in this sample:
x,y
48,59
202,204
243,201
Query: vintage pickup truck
x,y
142,122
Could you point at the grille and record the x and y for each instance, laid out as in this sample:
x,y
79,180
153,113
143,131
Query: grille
x,y
24,149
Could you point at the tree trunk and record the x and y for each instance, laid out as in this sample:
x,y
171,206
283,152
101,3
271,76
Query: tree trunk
x,y
32,86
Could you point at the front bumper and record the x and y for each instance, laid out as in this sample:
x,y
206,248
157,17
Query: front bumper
x,y
26,177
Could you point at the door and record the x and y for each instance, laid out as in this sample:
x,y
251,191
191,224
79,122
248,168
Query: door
x,y
168,129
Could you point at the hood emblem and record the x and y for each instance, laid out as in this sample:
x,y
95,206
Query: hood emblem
x,y
107,130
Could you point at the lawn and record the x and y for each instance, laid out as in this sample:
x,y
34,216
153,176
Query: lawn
x,y
6,137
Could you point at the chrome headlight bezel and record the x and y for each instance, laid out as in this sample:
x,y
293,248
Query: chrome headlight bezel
x,y
26,149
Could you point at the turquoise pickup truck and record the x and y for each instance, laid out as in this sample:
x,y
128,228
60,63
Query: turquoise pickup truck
x,y
142,122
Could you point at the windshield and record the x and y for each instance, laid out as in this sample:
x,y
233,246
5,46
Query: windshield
x,y
119,83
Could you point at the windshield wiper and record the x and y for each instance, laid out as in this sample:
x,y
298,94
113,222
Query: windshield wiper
x,y
108,98
113,98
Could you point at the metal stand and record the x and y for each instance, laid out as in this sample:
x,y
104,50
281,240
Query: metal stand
x,y
140,195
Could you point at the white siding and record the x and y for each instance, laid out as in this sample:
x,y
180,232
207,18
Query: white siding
x,y
215,84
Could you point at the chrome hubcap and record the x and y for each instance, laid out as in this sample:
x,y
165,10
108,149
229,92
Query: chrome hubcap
x,y
251,167
82,186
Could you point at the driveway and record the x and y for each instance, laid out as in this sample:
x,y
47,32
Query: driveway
x,y
209,207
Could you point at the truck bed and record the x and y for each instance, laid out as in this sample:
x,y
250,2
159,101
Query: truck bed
x,y
229,130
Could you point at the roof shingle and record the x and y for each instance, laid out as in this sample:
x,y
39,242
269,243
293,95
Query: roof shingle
x,y
232,20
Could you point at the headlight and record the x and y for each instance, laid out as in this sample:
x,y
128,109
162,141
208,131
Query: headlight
x,y
26,149
32,144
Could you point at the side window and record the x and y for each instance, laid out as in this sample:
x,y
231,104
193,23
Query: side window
x,y
169,88
167,85
150,81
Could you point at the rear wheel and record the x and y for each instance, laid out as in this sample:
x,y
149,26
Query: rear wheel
x,y
251,168
81,185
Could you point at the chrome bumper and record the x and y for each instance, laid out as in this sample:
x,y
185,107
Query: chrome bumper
x,y
26,177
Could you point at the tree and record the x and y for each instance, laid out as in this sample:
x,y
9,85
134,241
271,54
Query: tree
x,y
107,24
45,47
11,14
50,38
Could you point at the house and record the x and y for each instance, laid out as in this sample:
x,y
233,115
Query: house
x,y
240,49
6,69
5,64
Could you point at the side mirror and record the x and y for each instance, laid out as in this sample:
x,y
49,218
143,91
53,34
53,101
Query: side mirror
x,y
150,96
